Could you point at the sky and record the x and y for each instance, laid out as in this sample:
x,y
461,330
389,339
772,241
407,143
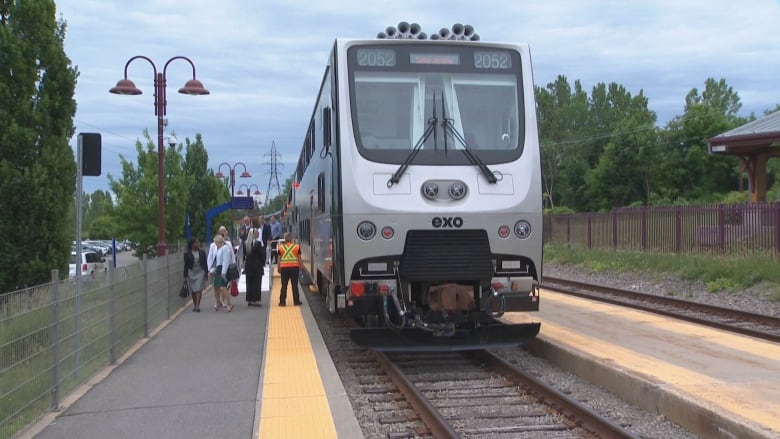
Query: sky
x,y
263,61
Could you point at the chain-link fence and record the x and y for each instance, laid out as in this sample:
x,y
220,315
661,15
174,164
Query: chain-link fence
x,y
56,336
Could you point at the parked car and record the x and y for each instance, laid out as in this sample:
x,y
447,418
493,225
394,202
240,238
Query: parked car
x,y
90,263
105,248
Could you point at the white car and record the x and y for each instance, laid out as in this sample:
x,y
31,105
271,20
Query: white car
x,y
90,263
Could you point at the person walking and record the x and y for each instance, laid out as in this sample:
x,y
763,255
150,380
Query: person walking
x,y
255,264
212,256
195,271
289,268
224,256
276,235
243,232
265,234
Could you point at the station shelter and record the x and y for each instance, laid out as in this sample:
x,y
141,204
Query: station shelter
x,y
754,144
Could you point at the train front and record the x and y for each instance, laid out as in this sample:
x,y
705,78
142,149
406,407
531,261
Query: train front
x,y
442,220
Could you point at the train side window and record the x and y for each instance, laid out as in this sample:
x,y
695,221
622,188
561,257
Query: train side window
x,y
312,142
327,141
321,192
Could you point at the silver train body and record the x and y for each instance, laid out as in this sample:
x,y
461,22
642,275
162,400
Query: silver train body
x,y
417,197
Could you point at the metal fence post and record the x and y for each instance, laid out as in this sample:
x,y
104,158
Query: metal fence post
x,y
167,285
614,229
55,340
145,269
590,231
644,228
112,315
777,227
722,227
678,229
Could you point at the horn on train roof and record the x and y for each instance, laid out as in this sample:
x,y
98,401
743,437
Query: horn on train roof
x,y
405,30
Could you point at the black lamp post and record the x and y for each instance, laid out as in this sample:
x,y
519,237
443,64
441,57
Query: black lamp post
x,y
191,87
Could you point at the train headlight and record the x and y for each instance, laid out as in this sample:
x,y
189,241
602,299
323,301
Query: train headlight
x,y
430,190
457,190
366,230
503,232
523,229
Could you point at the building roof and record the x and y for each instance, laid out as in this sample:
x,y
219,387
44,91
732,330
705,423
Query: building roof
x,y
760,133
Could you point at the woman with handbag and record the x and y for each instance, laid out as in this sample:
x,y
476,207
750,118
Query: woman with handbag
x,y
223,258
195,271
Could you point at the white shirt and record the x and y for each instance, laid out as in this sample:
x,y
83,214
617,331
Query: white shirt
x,y
212,256
224,258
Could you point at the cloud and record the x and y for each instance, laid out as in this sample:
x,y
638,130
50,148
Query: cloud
x,y
263,61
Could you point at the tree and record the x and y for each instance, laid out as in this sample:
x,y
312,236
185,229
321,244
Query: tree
x,y
98,207
205,191
694,174
623,174
562,117
37,166
136,192
575,132
278,202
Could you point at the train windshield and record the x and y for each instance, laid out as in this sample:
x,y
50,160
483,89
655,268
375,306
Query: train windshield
x,y
394,104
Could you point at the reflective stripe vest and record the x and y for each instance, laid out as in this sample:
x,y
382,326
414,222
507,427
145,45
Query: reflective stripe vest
x,y
289,255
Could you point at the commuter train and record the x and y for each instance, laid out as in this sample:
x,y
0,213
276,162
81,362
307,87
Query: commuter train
x,y
417,197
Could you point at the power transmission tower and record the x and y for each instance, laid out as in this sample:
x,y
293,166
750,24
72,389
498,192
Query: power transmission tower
x,y
274,172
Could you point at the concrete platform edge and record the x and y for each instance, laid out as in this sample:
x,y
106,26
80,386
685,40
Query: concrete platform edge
x,y
652,396
343,414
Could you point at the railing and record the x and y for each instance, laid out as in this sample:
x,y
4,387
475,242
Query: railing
x,y
56,336
721,229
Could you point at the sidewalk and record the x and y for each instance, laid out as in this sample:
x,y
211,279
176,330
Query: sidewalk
x,y
197,377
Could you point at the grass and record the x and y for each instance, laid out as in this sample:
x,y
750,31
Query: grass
x,y
27,340
719,274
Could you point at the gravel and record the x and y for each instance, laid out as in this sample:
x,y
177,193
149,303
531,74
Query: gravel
x,y
754,299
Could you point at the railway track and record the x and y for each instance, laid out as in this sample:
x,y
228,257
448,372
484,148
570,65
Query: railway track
x,y
477,394
385,411
752,324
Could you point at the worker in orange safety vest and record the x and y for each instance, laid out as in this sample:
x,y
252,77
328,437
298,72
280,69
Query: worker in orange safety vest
x,y
289,268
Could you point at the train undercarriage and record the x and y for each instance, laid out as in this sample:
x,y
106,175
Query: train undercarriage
x,y
440,316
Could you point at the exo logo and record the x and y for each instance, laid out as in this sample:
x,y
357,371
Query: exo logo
x,y
443,222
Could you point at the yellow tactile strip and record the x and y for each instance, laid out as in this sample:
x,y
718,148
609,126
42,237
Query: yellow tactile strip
x,y
294,402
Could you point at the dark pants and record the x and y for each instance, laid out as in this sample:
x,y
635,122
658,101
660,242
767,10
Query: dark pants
x,y
274,254
290,275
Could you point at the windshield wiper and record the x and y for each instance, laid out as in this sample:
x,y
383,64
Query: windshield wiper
x,y
474,158
429,128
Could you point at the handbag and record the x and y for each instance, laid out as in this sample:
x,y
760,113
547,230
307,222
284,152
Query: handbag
x,y
232,272
185,290
234,288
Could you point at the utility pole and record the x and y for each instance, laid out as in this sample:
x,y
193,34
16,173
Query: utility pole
x,y
274,172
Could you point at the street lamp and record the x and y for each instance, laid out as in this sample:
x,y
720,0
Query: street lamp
x,y
249,189
191,87
232,169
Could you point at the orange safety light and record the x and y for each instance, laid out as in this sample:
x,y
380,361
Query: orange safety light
x,y
297,185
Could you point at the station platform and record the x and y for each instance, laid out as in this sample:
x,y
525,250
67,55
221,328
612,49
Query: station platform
x,y
255,372
711,382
